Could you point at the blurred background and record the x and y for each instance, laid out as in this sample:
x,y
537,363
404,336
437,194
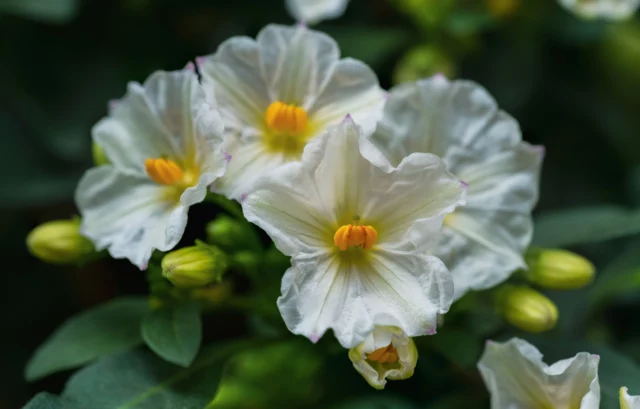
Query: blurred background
x,y
573,85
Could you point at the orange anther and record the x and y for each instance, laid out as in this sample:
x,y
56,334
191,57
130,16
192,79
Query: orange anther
x,y
286,119
350,235
163,171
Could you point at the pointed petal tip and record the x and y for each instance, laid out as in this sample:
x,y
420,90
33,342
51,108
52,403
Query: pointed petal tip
x,y
431,331
243,197
112,104
540,149
464,185
348,119
301,24
227,157
200,61
314,338
190,67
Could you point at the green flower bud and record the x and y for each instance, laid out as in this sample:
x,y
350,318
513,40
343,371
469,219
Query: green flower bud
x,y
387,353
231,234
60,242
558,269
421,62
99,157
526,308
194,266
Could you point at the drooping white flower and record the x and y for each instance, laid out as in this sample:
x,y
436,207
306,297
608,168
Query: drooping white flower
x,y
627,401
280,91
387,353
356,228
163,140
516,377
605,9
314,11
483,242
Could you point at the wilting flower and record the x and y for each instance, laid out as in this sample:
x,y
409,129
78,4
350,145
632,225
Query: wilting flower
x,y
163,140
627,401
606,9
280,91
387,353
483,242
356,229
314,11
517,377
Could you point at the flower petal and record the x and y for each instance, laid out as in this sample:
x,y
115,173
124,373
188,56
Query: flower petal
x,y
152,120
296,62
516,376
627,401
405,290
606,9
129,215
353,89
314,11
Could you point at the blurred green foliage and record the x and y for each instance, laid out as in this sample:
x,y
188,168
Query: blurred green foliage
x,y
574,86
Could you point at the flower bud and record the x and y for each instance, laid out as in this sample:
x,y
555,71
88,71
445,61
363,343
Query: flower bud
x,y
421,62
60,242
503,8
194,266
387,353
558,269
526,308
99,157
231,235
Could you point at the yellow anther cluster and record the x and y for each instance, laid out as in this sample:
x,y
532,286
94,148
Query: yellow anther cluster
x,y
286,119
164,171
350,235
384,355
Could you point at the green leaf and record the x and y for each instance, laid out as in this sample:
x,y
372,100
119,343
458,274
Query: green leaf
x,y
468,22
52,11
108,328
370,45
376,402
614,371
45,400
262,378
571,227
140,380
174,332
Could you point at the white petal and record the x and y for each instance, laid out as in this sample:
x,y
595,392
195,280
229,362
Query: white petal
x,y
314,11
606,9
405,290
483,242
517,377
627,401
353,89
151,121
128,215
296,62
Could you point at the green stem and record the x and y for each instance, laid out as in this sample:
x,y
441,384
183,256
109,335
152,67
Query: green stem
x,y
228,205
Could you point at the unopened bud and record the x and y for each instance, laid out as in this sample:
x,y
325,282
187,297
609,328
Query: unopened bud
x,y
423,61
99,157
503,8
526,308
558,269
387,353
60,242
194,266
231,235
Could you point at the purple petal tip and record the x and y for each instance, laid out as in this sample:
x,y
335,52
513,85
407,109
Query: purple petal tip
x,y
227,157
200,61
243,197
301,24
431,331
144,267
190,67
540,149
464,184
112,104
348,118
314,338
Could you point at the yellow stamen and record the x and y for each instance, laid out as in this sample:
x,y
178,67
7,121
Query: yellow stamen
x,y
286,119
350,235
164,171
384,355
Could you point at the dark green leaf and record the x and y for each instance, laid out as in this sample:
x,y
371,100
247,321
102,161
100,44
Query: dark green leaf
x,y
262,378
108,328
53,11
570,227
615,370
461,347
370,45
174,332
140,380
46,400
376,402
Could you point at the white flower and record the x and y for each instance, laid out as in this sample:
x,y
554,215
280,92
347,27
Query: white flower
x,y
278,92
164,142
387,353
627,401
355,227
314,11
483,242
516,377
605,9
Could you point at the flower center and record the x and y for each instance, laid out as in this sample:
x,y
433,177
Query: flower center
x,y
384,355
354,235
167,172
286,128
